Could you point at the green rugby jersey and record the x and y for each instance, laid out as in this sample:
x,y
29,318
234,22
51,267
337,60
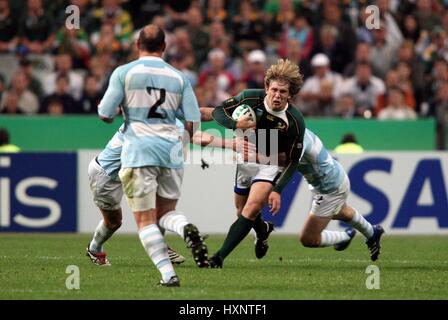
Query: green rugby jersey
x,y
290,135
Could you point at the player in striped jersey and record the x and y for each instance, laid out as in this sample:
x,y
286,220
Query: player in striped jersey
x,y
330,187
108,192
151,94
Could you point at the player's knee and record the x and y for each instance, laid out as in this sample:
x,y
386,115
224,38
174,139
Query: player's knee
x,y
251,209
309,241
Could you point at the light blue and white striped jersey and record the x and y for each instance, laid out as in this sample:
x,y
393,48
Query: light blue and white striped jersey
x,y
110,158
321,171
151,93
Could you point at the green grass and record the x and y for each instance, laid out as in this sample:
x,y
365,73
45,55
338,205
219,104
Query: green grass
x,y
33,267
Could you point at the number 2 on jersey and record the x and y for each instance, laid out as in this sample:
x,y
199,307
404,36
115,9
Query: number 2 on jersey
x,y
153,110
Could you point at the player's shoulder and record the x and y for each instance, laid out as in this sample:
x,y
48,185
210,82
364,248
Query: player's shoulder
x,y
251,97
294,112
252,94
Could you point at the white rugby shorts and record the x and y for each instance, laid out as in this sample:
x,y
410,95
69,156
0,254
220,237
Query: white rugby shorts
x,y
141,185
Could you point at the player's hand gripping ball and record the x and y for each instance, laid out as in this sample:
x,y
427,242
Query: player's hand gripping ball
x,y
243,110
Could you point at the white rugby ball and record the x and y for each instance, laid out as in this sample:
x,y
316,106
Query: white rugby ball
x,y
243,110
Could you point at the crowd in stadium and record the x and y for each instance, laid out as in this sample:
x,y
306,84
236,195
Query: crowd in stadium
x,y
398,71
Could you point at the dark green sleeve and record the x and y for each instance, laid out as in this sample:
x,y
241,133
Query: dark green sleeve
x,y
295,153
223,113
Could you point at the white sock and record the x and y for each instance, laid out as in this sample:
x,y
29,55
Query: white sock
x,y
156,248
174,221
330,238
361,224
102,233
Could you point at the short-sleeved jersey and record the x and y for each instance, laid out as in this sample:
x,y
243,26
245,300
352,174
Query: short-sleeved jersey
x,y
318,167
110,158
290,131
151,94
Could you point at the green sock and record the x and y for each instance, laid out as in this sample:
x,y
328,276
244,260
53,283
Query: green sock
x,y
237,232
259,225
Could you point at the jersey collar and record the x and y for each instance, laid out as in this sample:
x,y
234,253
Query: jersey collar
x,y
275,113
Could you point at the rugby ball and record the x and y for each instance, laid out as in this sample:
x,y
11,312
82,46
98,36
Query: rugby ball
x,y
243,110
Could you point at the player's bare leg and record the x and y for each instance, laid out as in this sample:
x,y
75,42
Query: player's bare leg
x,y
372,233
240,228
110,223
172,220
314,234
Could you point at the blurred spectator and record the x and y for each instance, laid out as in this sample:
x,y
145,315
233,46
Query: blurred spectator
x,y
393,31
216,11
182,43
36,29
5,145
61,94
279,15
63,63
75,42
405,82
9,26
120,20
248,27
384,49
397,109
238,87
411,28
362,55
55,107
300,31
254,77
345,107
25,67
440,74
10,103
431,47
294,53
91,96
213,93
28,101
198,36
440,107
106,41
438,77
427,19
100,69
406,54
183,62
217,59
320,91
329,45
393,80
204,97
349,144
341,50
365,89
217,31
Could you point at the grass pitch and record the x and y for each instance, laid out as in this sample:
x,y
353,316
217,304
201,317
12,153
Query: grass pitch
x,y
33,266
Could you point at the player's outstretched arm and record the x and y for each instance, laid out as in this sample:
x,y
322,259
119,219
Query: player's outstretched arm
x,y
237,144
